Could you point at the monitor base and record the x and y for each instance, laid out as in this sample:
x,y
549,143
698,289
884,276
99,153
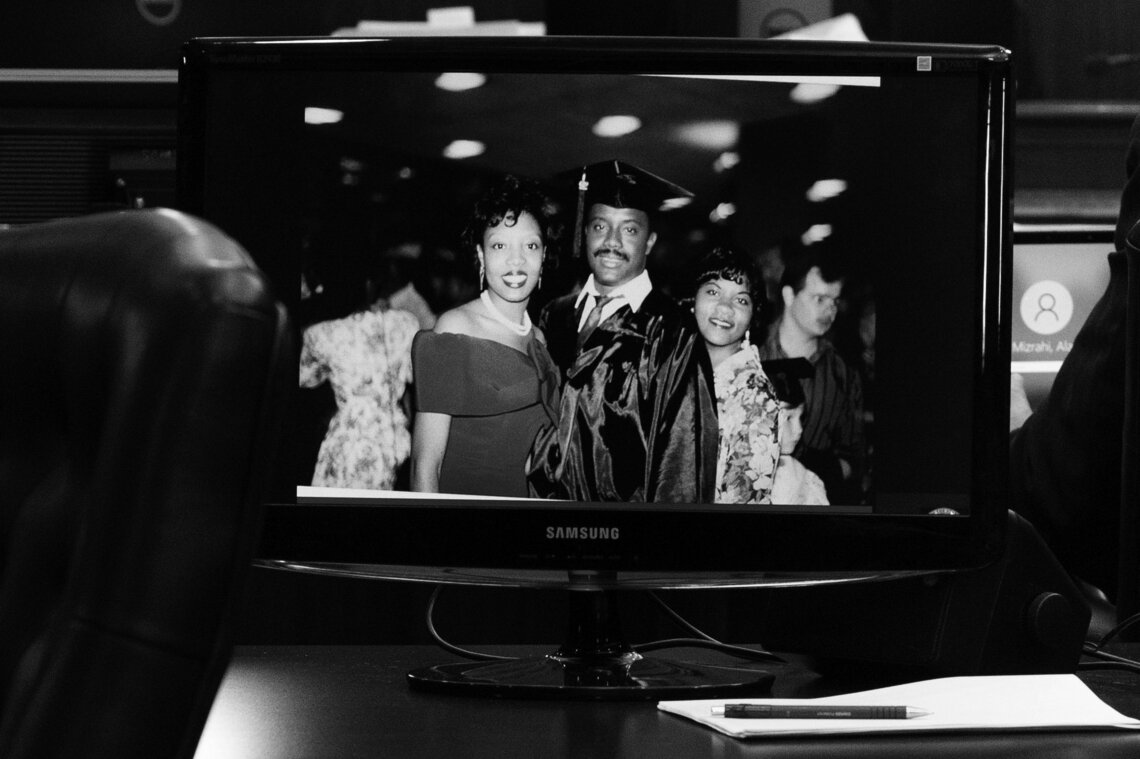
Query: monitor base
x,y
595,662
629,677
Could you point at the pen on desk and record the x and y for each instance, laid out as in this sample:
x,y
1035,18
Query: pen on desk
x,y
816,711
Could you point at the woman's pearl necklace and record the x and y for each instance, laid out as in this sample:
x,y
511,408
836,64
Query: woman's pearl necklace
x,y
522,330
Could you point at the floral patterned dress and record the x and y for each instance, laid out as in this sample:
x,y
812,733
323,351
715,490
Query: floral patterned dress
x,y
748,414
796,484
367,358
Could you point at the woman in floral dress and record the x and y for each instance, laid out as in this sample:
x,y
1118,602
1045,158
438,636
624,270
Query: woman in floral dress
x,y
367,359
729,298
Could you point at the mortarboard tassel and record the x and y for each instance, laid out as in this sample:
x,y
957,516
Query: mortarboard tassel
x,y
583,185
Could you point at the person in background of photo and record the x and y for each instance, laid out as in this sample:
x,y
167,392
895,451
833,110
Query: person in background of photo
x,y
794,483
365,356
833,443
729,300
485,383
397,280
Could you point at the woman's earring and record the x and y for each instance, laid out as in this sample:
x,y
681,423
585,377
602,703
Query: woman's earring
x,y
744,343
482,277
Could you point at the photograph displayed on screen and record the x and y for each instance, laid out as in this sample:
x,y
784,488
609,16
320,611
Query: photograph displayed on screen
x,y
795,264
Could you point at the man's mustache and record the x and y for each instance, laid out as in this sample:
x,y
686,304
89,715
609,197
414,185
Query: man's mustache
x,y
612,252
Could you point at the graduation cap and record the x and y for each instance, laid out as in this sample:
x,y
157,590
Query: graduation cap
x,y
622,185
785,374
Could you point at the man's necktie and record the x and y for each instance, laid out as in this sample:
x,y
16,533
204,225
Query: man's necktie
x,y
593,318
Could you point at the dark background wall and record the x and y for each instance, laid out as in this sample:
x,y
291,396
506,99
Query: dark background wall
x,y
148,33
68,148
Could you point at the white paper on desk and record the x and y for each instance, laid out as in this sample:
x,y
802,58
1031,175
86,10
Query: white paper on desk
x,y
985,703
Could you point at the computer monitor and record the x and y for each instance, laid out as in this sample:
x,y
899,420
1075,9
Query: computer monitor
x,y
893,155
1060,271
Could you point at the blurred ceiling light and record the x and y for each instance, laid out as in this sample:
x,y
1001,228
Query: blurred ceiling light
x,y
722,212
816,233
854,81
616,126
460,149
805,93
711,135
673,204
315,115
826,189
459,81
350,171
726,161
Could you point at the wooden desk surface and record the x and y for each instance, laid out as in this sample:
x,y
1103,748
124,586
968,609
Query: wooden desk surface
x,y
333,702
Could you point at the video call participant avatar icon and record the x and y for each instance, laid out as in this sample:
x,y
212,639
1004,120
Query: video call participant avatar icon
x,y
637,419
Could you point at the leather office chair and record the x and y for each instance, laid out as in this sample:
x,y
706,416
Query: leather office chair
x,y
1128,591
142,361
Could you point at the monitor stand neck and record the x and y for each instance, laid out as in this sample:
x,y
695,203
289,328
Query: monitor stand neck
x,y
593,630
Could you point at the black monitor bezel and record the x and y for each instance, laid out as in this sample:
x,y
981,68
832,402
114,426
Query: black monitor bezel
x,y
511,535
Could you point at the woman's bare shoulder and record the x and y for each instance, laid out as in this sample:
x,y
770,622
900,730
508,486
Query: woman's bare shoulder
x,y
459,320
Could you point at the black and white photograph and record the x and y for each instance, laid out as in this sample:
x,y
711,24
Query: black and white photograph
x,y
733,224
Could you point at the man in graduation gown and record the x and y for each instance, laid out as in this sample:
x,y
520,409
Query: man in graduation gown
x,y
637,420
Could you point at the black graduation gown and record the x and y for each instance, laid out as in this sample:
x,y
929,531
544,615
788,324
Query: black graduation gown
x,y
637,421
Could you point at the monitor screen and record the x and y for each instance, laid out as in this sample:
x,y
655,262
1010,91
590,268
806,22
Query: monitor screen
x,y
1059,274
329,159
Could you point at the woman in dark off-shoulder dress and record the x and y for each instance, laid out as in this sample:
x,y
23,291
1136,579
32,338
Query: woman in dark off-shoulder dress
x,y
485,383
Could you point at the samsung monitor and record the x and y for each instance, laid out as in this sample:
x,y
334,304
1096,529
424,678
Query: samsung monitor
x,y
318,154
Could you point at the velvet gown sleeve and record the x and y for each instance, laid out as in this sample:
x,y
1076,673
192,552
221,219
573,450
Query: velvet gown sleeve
x,y
441,364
